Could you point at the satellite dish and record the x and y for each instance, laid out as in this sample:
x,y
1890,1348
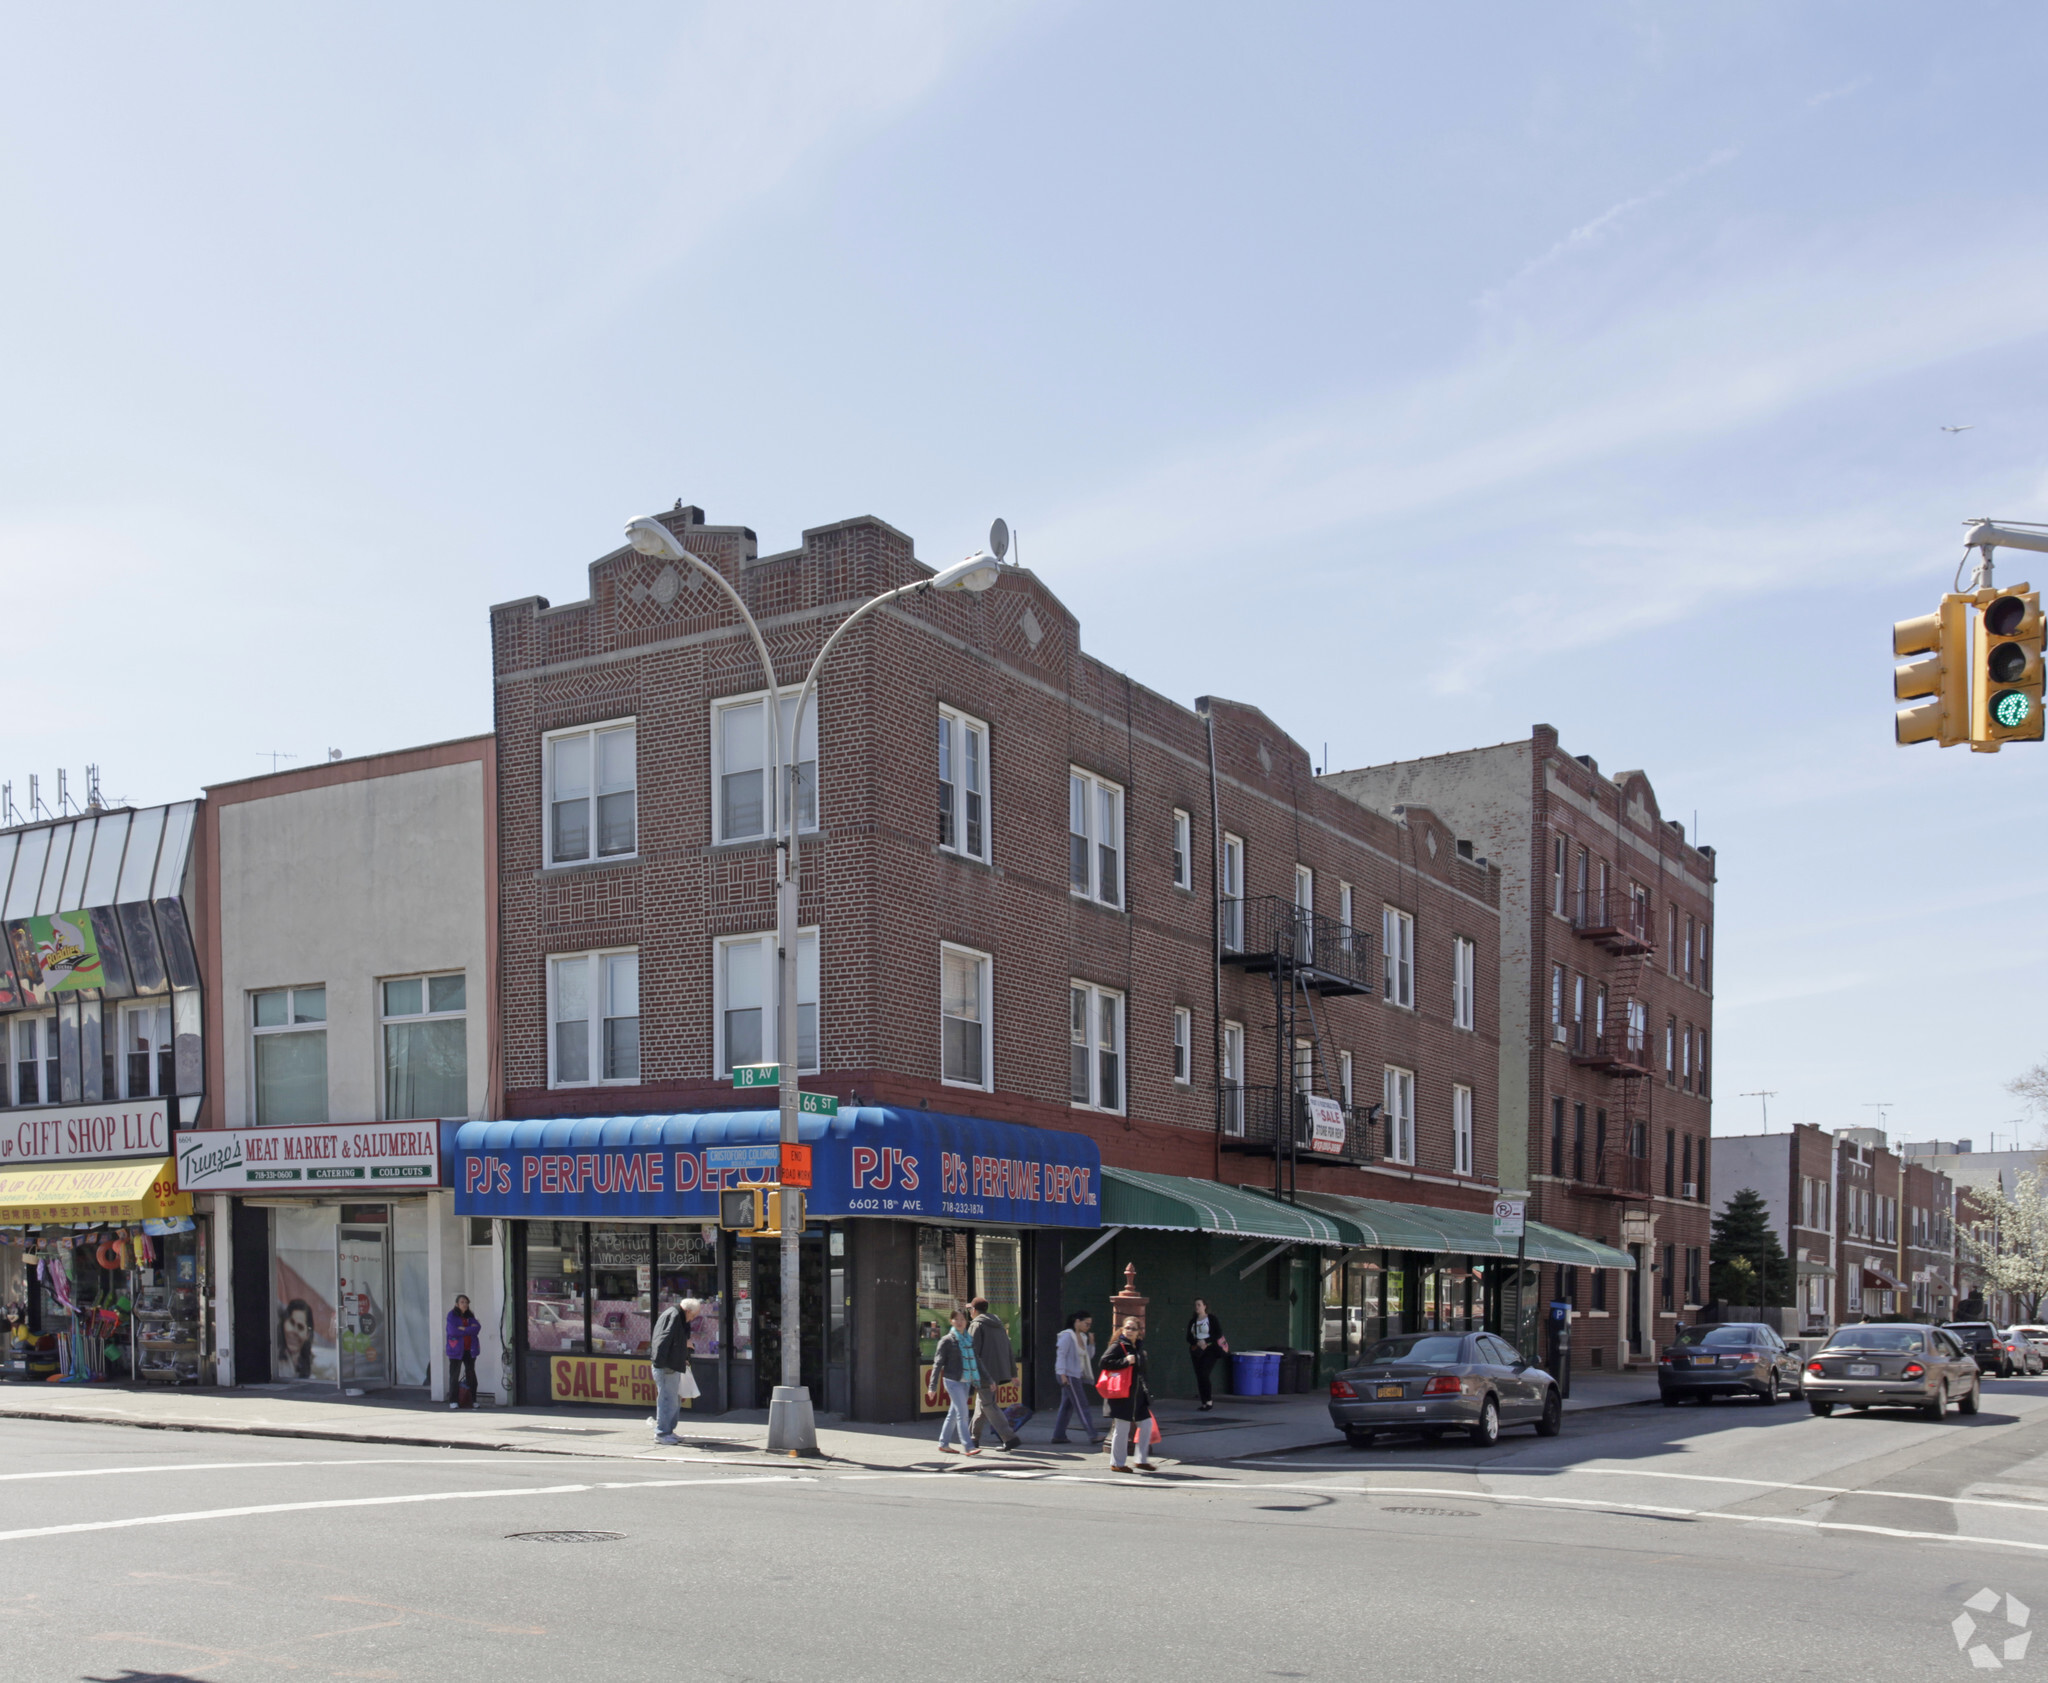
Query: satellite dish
x,y
999,539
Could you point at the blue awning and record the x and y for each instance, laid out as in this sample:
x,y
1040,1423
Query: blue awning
x,y
871,1160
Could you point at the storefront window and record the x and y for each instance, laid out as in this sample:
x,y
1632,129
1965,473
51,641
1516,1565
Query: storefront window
x,y
943,1285
621,1281
689,1268
743,1300
1396,1296
554,1287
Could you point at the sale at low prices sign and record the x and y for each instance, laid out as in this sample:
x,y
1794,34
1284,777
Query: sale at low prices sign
x,y
76,1133
383,1155
602,1379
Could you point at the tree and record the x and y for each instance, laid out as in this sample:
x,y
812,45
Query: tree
x,y
2008,1245
2031,1089
1746,1245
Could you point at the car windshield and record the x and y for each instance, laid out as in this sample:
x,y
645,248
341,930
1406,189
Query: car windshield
x,y
1416,1347
1909,1339
1736,1336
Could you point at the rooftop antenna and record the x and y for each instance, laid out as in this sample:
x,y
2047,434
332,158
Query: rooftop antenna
x,y
1766,1095
64,800
999,538
35,798
9,814
1881,1106
93,803
333,754
274,755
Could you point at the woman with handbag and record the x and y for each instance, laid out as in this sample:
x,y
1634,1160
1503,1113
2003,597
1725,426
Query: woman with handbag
x,y
954,1367
1206,1347
1122,1385
464,1331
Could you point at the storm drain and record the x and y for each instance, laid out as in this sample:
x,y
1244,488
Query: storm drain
x,y
565,1536
1435,1513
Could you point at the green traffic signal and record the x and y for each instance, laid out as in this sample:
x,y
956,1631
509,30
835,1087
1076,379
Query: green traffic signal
x,y
2012,708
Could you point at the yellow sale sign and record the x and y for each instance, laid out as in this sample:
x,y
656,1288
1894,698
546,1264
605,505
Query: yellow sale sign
x,y
602,1379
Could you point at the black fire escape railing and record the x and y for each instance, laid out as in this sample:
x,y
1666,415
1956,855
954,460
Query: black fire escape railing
x,y
1249,1120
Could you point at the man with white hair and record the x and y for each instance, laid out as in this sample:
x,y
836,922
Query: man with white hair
x,y
669,1354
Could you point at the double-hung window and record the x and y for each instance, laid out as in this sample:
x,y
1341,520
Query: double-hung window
x,y
963,785
1344,1077
592,779
426,1047
1685,1057
1305,914
1096,1036
1399,1096
1461,1130
1095,838
38,1068
1183,850
747,1001
1232,889
1557,1028
1560,850
1233,1079
1464,971
1397,945
964,1018
743,807
593,1018
148,1068
1345,939
289,1030
1670,1051
1578,1012
1183,1045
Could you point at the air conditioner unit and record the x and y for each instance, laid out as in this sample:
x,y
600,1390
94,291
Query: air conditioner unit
x,y
1692,1189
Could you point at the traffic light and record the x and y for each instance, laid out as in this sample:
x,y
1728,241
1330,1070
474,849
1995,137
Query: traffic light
x,y
756,1209
2008,667
1940,674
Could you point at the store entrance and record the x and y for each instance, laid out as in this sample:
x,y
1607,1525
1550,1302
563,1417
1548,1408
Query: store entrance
x,y
761,1259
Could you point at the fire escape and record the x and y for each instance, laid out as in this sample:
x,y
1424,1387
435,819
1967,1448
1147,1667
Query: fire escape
x,y
1620,1043
1302,1114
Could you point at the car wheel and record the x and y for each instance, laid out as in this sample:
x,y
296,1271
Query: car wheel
x,y
1938,1409
1486,1433
1358,1439
1551,1421
1770,1392
1971,1403
1823,1409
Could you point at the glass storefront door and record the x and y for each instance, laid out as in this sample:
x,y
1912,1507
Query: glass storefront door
x,y
363,1293
765,1258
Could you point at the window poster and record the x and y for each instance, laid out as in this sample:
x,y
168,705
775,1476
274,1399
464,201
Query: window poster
x,y
304,1341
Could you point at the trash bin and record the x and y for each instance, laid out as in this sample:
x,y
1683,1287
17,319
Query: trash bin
x,y
1269,1373
1290,1372
1304,1372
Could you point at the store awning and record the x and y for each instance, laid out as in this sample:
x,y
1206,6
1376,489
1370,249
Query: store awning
x,y
143,1190
1177,1204
1380,1223
1878,1277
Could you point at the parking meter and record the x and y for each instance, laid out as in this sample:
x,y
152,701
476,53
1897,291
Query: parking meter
x,y
1560,1362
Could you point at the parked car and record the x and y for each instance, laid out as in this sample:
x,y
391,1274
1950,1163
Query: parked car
x,y
1438,1382
2036,1336
2021,1351
1736,1358
1984,1342
1894,1365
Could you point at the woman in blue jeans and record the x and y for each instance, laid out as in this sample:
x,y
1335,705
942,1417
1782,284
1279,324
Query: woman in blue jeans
x,y
1074,1367
954,1365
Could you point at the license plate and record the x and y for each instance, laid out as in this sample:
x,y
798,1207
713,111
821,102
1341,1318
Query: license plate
x,y
1863,1370
1389,1391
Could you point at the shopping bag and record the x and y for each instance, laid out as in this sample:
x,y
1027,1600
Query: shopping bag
x,y
686,1384
934,1389
1113,1382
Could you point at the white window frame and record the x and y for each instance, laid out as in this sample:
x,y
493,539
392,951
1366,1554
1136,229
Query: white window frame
x,y
1557,1028
1560,853
1099,1007
1100,805
962,742
550,744
291,1025
1397,956
985,988
1344,1077
1345,930
1461,1129
1231,889
386,1021
1183,1046
597,978
1233,1078
807,960
1183,850
157,1009
805,757
1464,972
1397,1086
49,1064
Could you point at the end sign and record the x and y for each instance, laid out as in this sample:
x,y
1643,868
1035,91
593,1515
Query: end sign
x,y
796,1165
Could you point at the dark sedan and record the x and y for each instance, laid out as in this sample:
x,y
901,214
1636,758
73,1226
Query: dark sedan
x,y
1736,1359
1894,1365
1437,1382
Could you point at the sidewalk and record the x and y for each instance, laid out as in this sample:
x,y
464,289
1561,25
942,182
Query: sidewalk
x,y
1240,1427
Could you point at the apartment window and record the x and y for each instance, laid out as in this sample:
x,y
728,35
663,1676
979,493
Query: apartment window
x,y
1400,1102
1690,936
1464,970
1599,1144
1685,1180
964,1053
1855,1288
1579,888
1692,1274
1183,1044
148,1069
1705,984
1560,848
1344,923
1670,1162
1233,894
1670,1049
1557,1139
1701,1061
1557,1029
1578,1142
289,1029
1304,1066
1461,1130
1183,850
747,999
426,1047
591,781
1095,838
1233,1078
1668,1285
1638,1026
1397,940
1685,1057
1597,1278
1600,1013
1097,1033
1305,904
594,1018
963,785
1578,1013
742,766
1344,1077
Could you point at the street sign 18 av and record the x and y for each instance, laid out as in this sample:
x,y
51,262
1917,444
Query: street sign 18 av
x,y
756,1075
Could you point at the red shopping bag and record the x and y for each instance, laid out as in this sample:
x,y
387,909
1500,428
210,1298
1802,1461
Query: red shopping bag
x,y
1113,1382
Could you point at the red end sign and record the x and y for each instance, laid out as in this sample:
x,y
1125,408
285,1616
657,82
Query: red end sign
x,y
796,1165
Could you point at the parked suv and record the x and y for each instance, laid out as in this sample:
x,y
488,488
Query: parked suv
x,y
1983,1342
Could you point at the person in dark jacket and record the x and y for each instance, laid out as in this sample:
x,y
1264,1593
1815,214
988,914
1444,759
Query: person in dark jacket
x,y
954,1366
669,1355
998,1363
1206,1347
1132,1412
464,1333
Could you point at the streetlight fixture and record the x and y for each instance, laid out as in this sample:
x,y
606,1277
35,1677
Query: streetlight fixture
x,y
792,1425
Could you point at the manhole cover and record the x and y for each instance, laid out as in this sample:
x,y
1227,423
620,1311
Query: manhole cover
x,y
1435,1513
565,1536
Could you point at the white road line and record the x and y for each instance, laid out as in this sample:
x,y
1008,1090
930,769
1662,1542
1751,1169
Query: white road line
x,y
257,1466
376,1502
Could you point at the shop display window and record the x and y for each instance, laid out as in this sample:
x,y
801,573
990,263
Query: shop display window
x,y
621,1289
688,1267
554,1287
597,1288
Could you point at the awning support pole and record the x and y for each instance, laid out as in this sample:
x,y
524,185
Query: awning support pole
x,y
1108,1233
1241,1251
1251,1268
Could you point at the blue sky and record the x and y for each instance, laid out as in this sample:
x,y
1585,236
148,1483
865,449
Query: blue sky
x,y
1415,373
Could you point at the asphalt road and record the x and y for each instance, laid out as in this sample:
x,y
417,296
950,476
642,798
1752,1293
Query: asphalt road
x,y
1719,1542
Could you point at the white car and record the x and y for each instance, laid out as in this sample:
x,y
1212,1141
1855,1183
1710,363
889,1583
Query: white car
x,y
2036,1336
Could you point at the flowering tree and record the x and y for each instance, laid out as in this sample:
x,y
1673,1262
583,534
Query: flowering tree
x,y
2008,1246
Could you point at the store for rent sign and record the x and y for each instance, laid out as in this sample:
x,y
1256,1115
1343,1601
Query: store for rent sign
x,y
73,1134
385,1155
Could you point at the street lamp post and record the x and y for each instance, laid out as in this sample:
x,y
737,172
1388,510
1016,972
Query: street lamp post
x,y
791,1424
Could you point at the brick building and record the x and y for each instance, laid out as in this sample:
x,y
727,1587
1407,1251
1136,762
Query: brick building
x,y
1606,1013
1035,896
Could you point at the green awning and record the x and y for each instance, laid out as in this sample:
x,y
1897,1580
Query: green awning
x,y
1177,1204
1421,1227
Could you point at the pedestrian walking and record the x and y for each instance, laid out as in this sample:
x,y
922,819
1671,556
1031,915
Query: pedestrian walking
x,y
954,1367
1206,1347
1074,1366
465,1333
1130,1399
668,1354
998,1363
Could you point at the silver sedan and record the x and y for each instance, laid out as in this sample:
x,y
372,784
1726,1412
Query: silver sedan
x,y
1437,1382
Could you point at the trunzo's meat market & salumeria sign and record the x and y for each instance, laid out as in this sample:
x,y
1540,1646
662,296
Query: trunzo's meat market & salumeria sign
x,y
380,1154
78,1133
